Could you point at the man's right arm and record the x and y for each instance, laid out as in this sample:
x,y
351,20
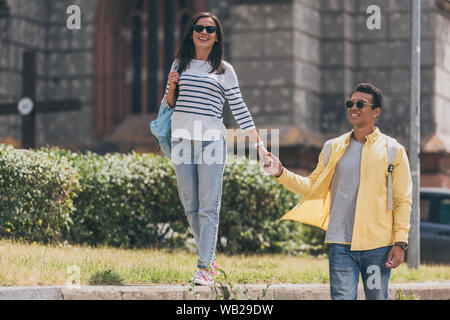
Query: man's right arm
x,y
295,182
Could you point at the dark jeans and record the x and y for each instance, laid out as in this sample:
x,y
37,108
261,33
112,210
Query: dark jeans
x,y
346,265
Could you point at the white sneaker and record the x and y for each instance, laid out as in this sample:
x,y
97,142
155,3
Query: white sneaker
x,y
203,278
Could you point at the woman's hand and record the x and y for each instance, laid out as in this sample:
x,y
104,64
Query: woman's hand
x,y
264,155
173,79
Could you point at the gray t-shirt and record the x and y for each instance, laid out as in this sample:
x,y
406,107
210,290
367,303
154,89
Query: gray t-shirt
x,y
344,192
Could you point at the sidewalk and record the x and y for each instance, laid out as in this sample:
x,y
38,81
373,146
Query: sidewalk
x,y
424,291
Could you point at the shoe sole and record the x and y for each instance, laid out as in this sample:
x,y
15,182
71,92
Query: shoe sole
x,y
203,283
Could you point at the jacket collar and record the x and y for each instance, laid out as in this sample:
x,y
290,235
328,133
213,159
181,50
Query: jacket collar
x,y
371,138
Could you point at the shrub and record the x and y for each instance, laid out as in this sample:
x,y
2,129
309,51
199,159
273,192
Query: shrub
x,y
131,200
252,204
36,195
127,200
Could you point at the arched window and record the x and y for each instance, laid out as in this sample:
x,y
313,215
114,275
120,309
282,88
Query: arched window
x,y
135,41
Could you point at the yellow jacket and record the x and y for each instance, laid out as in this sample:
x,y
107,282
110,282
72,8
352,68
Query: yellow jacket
x,y
375,226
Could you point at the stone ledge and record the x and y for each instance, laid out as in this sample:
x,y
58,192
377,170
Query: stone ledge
x,y
424,291
31,293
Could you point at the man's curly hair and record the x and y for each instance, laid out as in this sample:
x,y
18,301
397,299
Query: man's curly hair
x,y
374,91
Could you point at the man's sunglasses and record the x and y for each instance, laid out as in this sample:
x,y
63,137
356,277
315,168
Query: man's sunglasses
x,y
359,104
199,28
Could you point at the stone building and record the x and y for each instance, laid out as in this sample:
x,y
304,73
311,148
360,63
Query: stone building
x,y
297,61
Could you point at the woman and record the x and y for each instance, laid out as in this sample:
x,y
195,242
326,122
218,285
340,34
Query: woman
x,y
199,83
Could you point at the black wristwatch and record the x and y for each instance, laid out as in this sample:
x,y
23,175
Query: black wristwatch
x,y
402,245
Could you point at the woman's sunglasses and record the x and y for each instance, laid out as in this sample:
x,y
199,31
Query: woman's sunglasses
x,y
359,104
199,28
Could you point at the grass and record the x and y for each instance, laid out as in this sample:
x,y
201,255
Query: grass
x,y
105,277
400,295
39,265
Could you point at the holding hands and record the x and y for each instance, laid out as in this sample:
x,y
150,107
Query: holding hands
x,y
271,163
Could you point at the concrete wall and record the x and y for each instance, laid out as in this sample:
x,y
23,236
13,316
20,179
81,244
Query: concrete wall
x,y
306,40
275,49
304,57
69,64
262,54
352,53
338,59
64,68
25,29
442,78
388,59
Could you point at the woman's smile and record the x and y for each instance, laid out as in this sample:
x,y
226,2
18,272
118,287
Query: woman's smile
x,y
203,38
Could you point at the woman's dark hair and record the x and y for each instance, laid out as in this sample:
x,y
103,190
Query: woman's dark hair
x,y
377,96
186,52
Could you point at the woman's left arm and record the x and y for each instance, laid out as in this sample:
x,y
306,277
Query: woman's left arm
x,y
240,111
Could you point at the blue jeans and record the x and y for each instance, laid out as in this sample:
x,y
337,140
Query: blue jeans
x,y
345,267
199,167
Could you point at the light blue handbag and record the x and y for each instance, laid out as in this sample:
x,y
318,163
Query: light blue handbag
x,y
161,128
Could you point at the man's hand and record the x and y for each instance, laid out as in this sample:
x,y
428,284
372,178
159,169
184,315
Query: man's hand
x,y
395,257
273,166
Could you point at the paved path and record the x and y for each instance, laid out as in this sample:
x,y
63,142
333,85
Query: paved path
x,y
424,291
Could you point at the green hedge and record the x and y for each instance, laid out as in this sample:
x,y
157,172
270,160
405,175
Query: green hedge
x,y
131,200
36,195
126,200
252,204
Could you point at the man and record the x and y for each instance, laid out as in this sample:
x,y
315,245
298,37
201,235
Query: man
x,y
348,195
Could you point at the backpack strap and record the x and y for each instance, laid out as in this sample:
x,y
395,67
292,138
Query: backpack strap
x,y
175,67
391,154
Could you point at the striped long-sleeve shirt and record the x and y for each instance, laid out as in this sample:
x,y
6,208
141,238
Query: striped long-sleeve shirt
x,y
199,106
